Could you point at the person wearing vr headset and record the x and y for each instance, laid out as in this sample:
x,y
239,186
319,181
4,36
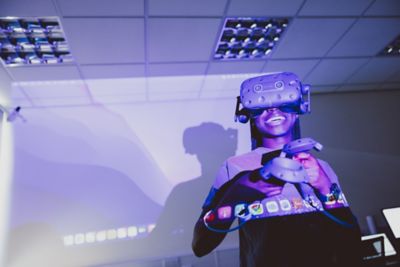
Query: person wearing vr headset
x,y
289,205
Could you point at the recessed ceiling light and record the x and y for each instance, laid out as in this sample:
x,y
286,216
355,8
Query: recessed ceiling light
x,y
392,49
249,38
32,41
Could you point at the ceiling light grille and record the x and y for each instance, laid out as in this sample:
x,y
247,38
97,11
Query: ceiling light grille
x,y
392,49
32,41
249,38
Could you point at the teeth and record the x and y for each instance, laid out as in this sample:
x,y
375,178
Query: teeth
x,y
275,120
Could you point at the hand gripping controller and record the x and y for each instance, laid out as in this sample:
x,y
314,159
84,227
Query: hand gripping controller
x,y
288,170
284,167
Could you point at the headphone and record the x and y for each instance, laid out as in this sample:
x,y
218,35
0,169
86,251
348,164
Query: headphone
x,y
241,115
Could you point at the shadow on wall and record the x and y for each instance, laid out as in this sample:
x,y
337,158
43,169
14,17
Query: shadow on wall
x,y
212,145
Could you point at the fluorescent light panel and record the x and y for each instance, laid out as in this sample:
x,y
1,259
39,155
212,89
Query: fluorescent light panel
x,y
392,49
249,38
32,41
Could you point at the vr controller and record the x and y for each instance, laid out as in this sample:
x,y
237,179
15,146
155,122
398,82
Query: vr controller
x,y
288,170
279,90
284,167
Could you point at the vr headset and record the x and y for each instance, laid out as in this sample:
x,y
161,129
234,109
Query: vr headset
x,y
281,90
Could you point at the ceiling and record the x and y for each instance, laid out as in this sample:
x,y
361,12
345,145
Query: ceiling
x,y
135,46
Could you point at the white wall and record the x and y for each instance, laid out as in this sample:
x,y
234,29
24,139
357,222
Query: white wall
x,y
94,168
6,161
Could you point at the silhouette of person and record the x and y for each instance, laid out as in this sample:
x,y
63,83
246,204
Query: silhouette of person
x,y
211,144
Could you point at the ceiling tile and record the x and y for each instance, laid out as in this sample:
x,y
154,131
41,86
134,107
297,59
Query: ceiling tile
x,y
119,99
172,96
225,82
176,69
310,37
117,88
335,71
384,8
178,87
220,94
4,77
112,71
5,85
105,40
183,39
334,7
359,87
54,89
26,8
367,37
64,101
264,7
186,7
114,91
300,67
101,7
22,102
322,89
16,91
227,67
45,73
378,70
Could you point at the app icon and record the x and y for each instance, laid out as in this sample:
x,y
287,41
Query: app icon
x,y
311,202
272,206
306,203
224,212
240,210
330,199
297,203
256,208
285,204
132,231
341,199
210,217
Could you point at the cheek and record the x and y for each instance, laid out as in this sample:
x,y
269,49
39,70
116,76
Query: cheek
x,y
259,123
291,121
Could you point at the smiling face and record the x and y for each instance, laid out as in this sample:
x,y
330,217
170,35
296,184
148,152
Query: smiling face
x,y
275,123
